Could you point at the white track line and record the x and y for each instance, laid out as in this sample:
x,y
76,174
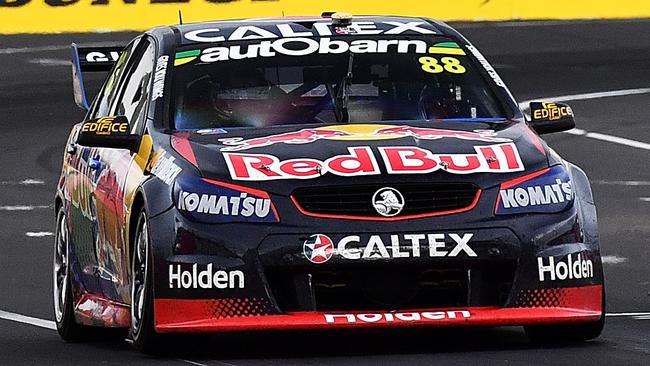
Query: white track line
x,y
191,362
628,314
586,96
610,138
22,208
631,183
24,182
595,135
644,199
38,234
11,51
47,324
50,62
28,182
613,259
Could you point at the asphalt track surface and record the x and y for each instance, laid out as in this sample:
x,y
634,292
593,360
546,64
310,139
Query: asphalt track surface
x,y
541,59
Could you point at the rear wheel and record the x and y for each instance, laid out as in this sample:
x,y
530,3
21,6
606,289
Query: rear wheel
x,y
567,333
66,324
143,333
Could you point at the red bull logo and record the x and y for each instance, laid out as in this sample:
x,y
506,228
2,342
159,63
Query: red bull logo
x,y
358,132
360,160
436,133
298,137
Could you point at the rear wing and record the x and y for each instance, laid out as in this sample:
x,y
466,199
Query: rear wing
x,y
90,59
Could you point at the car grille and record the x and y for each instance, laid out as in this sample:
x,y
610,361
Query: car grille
x,y
394,288
426,199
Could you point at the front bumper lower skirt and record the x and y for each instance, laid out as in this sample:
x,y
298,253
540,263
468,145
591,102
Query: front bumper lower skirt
x,y
574,304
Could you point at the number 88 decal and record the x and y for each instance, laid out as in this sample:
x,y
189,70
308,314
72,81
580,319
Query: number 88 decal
x,y
449,64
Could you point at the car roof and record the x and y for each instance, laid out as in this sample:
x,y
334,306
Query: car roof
x,y
297,24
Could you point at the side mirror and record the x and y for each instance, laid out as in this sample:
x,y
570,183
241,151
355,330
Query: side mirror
x,y
551,117
111,132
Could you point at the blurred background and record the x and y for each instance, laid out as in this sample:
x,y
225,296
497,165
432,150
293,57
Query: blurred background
x,y
52,16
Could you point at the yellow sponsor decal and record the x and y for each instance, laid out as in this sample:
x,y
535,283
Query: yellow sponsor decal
x,y
552,112
448,64
105,126
142,157
37,16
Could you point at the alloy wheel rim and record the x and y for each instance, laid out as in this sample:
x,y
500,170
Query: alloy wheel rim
x,y
139,282
60,270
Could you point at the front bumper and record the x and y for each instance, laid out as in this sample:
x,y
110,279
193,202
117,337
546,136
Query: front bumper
x,y
565,305
260,252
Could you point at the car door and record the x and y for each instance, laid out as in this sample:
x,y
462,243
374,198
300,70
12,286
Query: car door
x,y
82,177
120,175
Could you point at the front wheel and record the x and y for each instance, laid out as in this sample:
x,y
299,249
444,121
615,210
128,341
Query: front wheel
x,y
143,333
66,325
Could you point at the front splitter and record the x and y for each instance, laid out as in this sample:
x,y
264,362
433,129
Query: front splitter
x,y
212,316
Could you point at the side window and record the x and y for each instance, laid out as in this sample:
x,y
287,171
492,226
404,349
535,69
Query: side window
x,y
106,96
136,88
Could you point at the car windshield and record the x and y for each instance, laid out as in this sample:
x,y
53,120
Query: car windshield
x,y
328,80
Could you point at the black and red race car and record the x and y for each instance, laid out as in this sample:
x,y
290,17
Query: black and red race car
x,y
317,172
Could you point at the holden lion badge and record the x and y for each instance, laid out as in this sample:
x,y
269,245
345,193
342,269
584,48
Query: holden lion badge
x,y
388,201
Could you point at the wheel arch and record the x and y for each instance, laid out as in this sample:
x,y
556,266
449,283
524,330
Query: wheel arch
x,y
586,207
137,206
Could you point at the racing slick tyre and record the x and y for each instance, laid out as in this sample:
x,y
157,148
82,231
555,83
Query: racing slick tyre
x,y
567,333
144,336
66,325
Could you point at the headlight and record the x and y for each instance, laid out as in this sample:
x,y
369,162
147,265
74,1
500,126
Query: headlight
x,y
211,201
546,191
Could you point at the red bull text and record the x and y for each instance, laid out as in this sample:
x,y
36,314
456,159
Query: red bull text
x,y
360,160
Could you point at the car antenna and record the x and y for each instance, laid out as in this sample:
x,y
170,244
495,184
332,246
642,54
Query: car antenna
x,y
180,17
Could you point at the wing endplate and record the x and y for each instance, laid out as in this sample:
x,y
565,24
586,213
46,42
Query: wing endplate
x,y
90,59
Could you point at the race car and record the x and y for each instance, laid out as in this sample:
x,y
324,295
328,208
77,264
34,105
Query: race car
x,y
317,173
